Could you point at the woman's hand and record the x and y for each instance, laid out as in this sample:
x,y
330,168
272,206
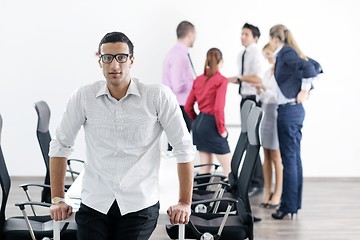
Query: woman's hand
x,y
224,134
302,96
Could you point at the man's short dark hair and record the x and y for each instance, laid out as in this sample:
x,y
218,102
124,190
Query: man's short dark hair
x,y
184,28
254,30
114,37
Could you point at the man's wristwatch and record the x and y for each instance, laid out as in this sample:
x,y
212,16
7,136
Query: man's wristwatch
x,y
56,200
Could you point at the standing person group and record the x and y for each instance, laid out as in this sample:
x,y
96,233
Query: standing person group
x,y
281,91
123,120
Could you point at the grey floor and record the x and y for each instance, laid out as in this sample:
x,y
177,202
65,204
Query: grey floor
x,y
331,211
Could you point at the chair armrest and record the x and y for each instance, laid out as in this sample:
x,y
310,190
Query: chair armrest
x,y
22,205
207,164
212,183
232,200
209,176
73,172
26,185
74,160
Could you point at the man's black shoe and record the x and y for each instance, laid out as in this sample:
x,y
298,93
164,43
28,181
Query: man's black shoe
x,y
256,219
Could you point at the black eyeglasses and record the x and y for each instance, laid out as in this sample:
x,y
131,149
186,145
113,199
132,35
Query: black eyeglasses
x,y
120,58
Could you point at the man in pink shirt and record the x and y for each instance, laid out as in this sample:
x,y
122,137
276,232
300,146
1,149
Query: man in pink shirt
x,y
178,71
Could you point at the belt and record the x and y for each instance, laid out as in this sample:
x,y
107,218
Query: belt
x,y
288,104
248,96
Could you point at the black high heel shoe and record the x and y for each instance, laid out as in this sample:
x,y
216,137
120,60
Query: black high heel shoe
x,y
279,215
265,205
272,206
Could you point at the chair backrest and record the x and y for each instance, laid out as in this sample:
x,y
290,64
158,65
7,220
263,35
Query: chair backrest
x,y
5,183
241,144
44,138
248,164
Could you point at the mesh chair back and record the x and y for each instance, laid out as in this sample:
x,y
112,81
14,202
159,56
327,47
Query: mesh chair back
x,y
249,163
5,183
44,138
241,144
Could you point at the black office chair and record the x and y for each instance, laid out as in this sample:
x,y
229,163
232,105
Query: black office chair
x,y
44,138
227,226
227,189
25,227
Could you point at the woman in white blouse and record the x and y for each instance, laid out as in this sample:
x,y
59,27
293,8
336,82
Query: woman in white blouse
x,y
267,91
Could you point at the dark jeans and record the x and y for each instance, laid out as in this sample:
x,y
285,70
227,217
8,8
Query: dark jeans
x,y
290,122
258,177
93,225
188,123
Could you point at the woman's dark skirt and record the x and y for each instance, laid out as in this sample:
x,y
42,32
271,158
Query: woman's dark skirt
x,y
206,137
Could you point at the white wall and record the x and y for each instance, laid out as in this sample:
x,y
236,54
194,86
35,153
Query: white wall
x,y
48,50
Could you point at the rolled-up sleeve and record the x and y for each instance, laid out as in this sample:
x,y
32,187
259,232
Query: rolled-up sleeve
x,y
172,121
71,122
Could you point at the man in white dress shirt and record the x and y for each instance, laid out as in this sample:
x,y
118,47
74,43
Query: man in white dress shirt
x,y
251,71
123,120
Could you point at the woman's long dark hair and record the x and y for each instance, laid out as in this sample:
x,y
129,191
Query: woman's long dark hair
x,y
213,58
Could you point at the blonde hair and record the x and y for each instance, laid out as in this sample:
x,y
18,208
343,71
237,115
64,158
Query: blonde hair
x,y
285,36
268,46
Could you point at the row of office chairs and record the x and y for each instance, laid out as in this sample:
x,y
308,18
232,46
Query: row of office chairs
x,y
44,138
24,227
225,213
33,227
232,220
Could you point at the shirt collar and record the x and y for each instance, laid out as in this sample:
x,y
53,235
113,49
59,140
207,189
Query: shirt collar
x,y
182,47
250,46
278,50
133,89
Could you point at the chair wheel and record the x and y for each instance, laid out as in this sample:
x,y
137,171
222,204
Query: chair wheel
x,y
207,236
200,208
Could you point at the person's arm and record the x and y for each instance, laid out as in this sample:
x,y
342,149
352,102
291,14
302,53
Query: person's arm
x,y
252,79
309,73
180,213
172,121
59,211
303,95
60,150
219,108
189,105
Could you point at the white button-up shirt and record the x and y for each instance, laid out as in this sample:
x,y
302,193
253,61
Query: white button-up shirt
x,y
122,142
253,65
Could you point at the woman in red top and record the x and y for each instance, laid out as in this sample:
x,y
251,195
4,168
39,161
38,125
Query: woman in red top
x,y
208,128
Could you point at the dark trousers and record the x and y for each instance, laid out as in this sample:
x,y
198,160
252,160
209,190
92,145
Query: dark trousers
x,y
290,122
93,225
258,177
188,123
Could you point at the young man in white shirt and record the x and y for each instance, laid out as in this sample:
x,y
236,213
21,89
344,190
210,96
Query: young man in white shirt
x,y
251,71
123,120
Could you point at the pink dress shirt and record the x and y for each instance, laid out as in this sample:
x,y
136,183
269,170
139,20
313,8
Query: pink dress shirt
x,y
177,72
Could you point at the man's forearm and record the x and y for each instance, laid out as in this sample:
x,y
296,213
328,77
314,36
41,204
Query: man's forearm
x,y
252,79
57,176
186,179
